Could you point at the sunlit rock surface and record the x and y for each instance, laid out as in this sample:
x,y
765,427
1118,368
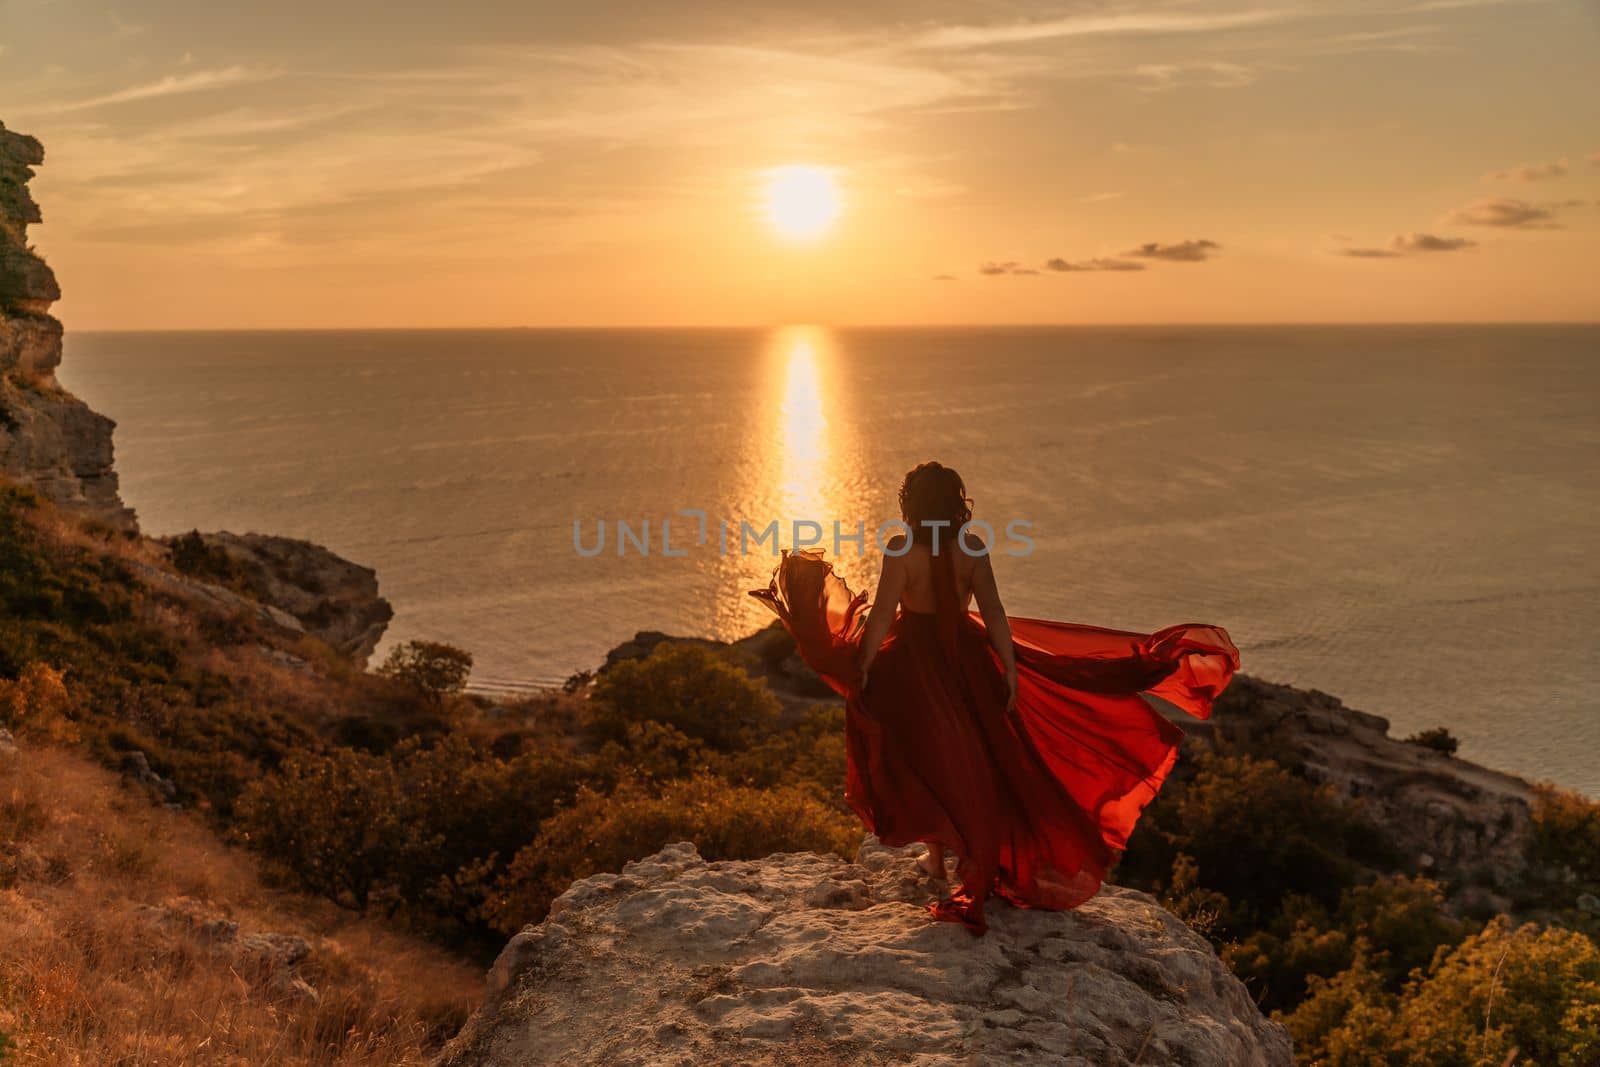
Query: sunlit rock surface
x,y
804,959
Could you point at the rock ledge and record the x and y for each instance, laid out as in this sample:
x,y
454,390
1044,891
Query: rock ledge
x,y
800,958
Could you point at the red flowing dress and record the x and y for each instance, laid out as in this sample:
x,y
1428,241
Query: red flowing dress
x,y
1036,802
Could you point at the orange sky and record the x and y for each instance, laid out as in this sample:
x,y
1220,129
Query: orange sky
x,y
366,164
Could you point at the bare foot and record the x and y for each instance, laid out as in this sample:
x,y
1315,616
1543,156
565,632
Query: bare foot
x,y
932,868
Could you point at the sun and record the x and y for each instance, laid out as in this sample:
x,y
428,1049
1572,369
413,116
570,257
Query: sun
x,y
802,201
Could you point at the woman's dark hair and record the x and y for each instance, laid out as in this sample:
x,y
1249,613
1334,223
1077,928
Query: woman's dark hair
x,y
934,493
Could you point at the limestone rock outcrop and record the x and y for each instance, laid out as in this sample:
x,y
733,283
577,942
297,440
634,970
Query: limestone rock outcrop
x,y
1454,820
48,438
800,958
328,596
258,958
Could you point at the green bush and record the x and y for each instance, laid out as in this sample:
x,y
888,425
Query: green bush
x,y
1438,738
1346,1020
1257,834
334,820
810,754
36,704
1566,832
432,669
1525,995
688,687
602,832
1402,917
652,752
191,555
1399,923
424,831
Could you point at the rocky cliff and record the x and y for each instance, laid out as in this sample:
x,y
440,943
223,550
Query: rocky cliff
x,y
52,441
1466,825
48,437
802,958
322,594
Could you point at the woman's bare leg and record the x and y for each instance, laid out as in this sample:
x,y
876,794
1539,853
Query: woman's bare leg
x,y
933,863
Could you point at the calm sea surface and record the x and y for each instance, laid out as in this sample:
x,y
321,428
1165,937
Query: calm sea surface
x,y
1406,517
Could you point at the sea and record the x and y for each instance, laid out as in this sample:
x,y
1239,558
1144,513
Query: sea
x,y
1407,517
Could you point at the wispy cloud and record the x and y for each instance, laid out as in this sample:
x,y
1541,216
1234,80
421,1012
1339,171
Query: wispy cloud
x,y
1099,264
1427,242
1427,6
1409,244
1097,25
353,146
1192,251
1508,213
1216,75
1402,37
1529,172
996,269
171,85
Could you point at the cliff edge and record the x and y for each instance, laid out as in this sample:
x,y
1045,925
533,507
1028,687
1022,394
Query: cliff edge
x,y
801,958
48,438
52,441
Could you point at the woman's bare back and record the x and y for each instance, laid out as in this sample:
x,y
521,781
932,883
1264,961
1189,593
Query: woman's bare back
x,y
918,594
906,583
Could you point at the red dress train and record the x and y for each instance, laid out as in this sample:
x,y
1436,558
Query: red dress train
x,y
1037,803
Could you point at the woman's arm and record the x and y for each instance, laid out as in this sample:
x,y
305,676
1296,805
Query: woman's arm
x,y
891,583
993,612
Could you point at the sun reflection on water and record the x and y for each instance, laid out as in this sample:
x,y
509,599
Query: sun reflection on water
x,y
800,432
802,464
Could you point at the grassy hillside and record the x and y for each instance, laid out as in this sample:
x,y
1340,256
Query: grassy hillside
x,y
134,936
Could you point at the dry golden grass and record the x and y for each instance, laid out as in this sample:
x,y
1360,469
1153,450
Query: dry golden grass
x,y
105,958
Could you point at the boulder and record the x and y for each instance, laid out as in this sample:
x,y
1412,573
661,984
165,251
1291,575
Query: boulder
x,y
262,958
801,958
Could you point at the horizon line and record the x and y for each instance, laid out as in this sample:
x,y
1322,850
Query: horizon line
x,y
748,327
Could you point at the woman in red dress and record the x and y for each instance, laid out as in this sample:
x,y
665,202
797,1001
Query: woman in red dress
x,y
1021,745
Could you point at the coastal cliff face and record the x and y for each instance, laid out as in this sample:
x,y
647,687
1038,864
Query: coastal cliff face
x,y
321,593
801,958
52,441
48,438
1450,819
